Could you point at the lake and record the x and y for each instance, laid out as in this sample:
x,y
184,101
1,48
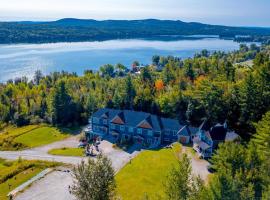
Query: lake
x,y
18,60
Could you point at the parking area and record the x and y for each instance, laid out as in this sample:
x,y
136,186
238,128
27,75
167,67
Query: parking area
x,y
54,186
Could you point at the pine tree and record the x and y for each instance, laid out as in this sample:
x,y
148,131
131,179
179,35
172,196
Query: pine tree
x,y
62,107
130,93
181,184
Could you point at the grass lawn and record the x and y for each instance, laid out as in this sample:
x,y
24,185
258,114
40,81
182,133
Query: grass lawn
x,y
146,174
40,136
67,151
30,136
14,173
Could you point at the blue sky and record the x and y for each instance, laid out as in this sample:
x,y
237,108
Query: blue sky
x,y
227,12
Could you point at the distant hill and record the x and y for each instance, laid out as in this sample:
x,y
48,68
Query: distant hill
x,y
69,29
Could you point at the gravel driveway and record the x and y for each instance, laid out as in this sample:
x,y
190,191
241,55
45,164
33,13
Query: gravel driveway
x,y
54,186
199,166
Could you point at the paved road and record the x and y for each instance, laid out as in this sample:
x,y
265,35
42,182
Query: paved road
x,y
54,186
40,153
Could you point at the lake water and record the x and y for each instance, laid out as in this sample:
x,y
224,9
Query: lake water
x,y
24,59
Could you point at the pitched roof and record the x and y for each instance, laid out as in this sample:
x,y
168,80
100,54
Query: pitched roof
x,y
105,115
184,131
139,119
203,145
146,123
218,132
131,118
171,124
231,136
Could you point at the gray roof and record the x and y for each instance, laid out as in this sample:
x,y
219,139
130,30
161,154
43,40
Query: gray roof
x,y
188,131
193,130
183,131
170,124
131,118
134,118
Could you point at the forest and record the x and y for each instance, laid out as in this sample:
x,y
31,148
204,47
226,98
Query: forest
x,y
75,30
215,86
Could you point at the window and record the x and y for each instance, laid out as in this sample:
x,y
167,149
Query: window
x,y
95,120
139,130
112,126
150,133
122,128
105,121
174,133
157,134
167,132
130,129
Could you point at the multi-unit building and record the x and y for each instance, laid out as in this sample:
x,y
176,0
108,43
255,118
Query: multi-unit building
x,y
152,130
141,127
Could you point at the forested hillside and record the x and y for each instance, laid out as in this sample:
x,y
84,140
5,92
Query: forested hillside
x,y
219,87
72,30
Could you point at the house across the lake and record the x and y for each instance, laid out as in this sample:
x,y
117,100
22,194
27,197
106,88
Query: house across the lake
x,y
208,138
141,127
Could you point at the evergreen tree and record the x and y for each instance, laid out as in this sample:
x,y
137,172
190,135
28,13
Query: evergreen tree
x,y
130,93
181,184
62,107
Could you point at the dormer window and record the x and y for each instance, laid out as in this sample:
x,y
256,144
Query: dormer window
x,y
105,121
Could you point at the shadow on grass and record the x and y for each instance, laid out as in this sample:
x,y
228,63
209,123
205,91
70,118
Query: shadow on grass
x,y
74,130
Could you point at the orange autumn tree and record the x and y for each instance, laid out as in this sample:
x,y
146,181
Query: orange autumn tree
x,y
159,85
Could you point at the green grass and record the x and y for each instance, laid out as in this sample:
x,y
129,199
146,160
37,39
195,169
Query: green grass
x,y
41,136
13,131
14,173
146,174
67,151
13,138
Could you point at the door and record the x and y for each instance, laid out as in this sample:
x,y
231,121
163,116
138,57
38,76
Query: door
x,y
183,140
